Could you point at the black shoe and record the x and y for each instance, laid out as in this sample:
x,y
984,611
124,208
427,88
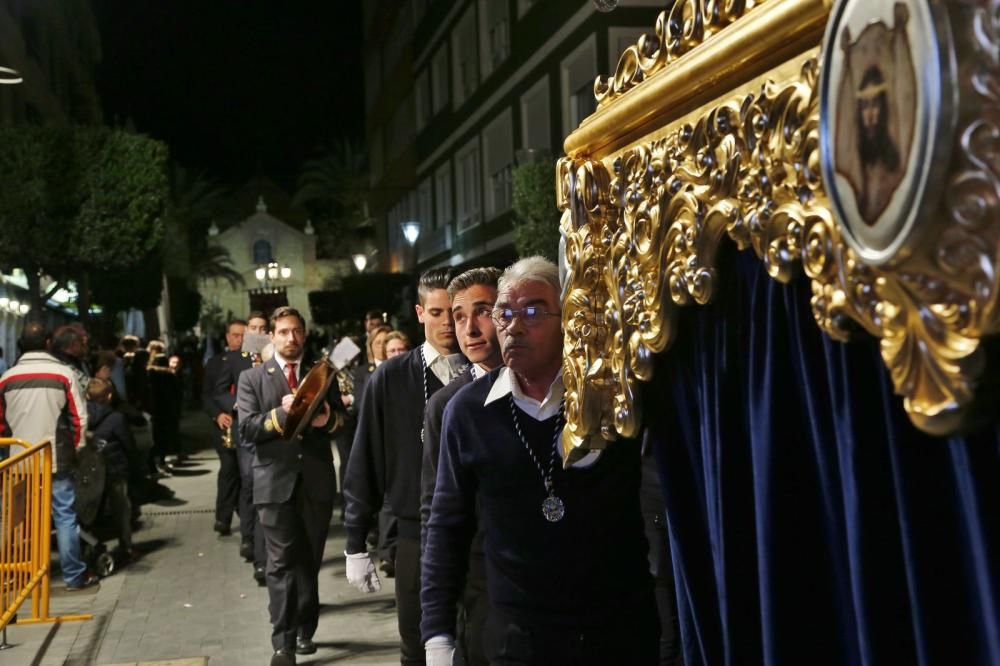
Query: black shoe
x,y
388,568
258,575
246,550
87,580
283,658
222,528
305,646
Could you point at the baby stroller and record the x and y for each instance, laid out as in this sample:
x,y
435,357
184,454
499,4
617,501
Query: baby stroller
x,y
99,497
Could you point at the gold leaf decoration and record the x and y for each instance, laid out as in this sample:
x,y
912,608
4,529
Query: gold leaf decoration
x,y
642,235
686,25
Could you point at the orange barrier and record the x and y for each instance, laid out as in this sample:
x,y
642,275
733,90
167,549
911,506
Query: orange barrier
x,y
25,533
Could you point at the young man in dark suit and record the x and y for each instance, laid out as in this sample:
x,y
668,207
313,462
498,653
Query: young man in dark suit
x,y
473,294
294,486
386,455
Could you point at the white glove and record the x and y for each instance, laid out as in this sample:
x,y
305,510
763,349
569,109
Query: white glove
x,y
361,572
439,650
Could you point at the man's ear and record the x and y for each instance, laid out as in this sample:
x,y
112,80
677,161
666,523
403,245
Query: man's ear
x,y
420,312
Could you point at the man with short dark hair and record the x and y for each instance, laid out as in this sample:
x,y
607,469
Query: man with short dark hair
x,y
386,455
473,294
41,400
294,485
565,551
218,403
373,319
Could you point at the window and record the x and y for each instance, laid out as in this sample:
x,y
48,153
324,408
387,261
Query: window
x,y
524,5
498,154
401,127
467,185
373,77
582,103
465,74
535,130
262,252
577,74
425,208
376,157
442,196
494,34
422,95
620,39
439,79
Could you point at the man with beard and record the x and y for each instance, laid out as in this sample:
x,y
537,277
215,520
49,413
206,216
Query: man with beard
x,y
293,486
565,551
386,455
473,294
880,164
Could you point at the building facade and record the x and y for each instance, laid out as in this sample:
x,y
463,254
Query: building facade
x,y
262,240
459,92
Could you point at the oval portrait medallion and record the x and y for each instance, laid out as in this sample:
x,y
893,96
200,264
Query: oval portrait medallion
x,y
887,103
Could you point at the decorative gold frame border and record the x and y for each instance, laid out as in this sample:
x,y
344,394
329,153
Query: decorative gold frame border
x,y
667,168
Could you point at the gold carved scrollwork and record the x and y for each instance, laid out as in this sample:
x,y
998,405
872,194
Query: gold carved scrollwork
x,y
686,25
642,234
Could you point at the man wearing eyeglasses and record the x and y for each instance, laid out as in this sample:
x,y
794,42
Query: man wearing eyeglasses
x,y
473,295
565,551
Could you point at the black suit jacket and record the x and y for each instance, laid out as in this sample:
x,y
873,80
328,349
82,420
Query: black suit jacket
x,y
386,454
220,395
278,462
433,416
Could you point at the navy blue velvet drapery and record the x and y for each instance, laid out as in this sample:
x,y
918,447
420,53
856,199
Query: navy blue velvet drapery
x,y
810,522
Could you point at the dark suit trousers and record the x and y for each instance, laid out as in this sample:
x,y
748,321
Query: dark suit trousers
x,y
248,514
408,598
227,487
628,636
295,534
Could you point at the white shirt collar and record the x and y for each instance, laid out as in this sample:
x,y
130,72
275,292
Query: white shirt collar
x,y
282,363
430,354
506,385
540,411
444,367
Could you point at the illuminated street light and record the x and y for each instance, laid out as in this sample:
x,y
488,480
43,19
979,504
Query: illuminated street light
x,y
25,308
360,261
411,231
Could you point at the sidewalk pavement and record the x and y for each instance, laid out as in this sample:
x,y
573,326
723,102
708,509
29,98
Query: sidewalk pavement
x,y
191,600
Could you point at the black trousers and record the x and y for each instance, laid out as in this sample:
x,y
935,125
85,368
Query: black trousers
x,y
227,486
472,615
249,530
295,535
411,646
626,636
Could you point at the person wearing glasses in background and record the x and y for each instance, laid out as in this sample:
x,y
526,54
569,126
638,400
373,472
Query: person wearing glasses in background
x,y
565,550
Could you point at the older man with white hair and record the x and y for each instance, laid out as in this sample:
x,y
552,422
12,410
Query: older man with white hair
x,y
565,552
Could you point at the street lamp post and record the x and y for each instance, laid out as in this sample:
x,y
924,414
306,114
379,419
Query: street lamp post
x,y
360,261
411,232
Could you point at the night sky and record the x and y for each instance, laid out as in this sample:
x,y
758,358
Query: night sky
x,y
237,88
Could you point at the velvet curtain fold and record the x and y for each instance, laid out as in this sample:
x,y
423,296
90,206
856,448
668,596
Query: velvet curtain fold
x,y
809,521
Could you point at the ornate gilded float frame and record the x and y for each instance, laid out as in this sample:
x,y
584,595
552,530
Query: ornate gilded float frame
x,y
709,130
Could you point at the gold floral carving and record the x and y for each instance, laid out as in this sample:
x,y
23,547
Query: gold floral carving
x,y
686,25
643,229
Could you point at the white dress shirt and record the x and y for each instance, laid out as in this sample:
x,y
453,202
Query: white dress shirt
x,y
445,368
282,363
507,384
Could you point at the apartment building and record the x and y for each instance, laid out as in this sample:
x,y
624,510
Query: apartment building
x,y
457,92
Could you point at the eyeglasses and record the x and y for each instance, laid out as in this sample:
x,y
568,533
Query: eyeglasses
x,y
531,316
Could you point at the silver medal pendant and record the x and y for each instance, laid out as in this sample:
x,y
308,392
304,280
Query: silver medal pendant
x,y
553,509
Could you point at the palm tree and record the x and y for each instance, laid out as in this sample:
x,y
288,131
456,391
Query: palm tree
x,y
334,189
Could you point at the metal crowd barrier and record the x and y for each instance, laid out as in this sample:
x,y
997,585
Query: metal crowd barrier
x,y
25,534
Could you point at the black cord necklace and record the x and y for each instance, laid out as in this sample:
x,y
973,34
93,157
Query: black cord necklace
x,y
553,507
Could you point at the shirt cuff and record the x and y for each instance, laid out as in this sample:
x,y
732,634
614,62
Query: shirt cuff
x,y
441,640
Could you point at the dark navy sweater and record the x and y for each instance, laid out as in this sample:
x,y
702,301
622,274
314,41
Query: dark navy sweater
x,y
575,571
